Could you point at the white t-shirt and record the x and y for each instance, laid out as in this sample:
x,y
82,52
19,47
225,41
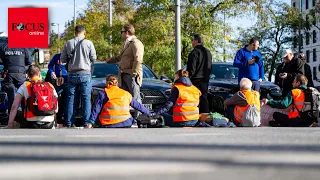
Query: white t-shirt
x,y
23,91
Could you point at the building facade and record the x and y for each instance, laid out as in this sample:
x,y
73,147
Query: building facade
x,y
310,42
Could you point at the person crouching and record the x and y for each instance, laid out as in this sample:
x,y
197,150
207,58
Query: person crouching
x,y
114,104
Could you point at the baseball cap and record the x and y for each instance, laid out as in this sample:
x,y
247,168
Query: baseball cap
x,y
286,52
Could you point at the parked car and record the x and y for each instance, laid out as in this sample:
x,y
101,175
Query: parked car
x,y
154,92
224,83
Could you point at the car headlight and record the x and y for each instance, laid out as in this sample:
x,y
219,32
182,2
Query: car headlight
x,y
219,89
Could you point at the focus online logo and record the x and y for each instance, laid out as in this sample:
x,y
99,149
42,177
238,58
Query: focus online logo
x,y
34,29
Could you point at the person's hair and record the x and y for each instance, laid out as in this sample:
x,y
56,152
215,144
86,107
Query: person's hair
x,y
129,28
253,40
198,38
182,73
33,70
79,29
112,80
245,84
301,79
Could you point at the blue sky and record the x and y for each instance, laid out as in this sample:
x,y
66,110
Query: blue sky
x,y
62,10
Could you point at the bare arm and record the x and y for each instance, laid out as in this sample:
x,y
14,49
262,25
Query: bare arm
x,y
14,109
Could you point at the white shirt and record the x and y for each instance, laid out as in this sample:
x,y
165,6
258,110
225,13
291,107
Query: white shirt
x,y
128,40
23,91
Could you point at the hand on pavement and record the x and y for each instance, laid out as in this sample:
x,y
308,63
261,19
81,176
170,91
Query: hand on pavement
x,y
53,75
260,80
89,126
264,101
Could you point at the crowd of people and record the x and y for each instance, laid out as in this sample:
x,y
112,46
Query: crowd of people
x,y
70,72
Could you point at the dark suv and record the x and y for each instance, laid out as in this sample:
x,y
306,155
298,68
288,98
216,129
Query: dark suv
x,y
154,92
224,82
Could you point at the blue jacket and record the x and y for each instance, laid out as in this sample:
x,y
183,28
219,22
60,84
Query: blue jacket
x,y
103,99
54,66
173,96
255,71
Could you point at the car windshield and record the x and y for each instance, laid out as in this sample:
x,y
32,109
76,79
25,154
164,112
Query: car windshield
x,y
101,70
224,71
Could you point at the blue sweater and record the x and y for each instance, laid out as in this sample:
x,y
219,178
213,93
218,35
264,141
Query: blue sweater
x,y
103,99
255,71
54,66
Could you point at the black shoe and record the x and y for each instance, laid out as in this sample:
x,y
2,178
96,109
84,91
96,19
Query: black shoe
x,y
274,124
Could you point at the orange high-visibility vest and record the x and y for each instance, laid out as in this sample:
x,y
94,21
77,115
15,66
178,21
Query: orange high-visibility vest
x,y
27,113
186,106
253,98
298,103
117,109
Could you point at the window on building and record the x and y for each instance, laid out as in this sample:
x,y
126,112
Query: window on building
x,y
294,4
301,41
308,56
314,55
314,36
307,22
307,38
307,4
315,73
313,3
314,18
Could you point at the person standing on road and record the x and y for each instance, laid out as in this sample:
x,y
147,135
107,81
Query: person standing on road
x,y
113,107
292,68
79,54
130,62
184,98
199,67
307,69
59,76
280,70
249,61
14,61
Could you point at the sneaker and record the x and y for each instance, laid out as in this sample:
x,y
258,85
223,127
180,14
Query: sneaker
x,y
72,126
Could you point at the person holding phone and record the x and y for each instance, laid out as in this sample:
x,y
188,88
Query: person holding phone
x,y
249,61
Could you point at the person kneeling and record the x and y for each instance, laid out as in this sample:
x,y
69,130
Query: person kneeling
x,y
184,99
239,106
40,100
115,104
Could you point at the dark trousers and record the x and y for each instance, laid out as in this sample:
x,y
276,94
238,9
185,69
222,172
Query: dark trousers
x,y
203,87
256,86
62,92
283,120
9,85
131,85
230,116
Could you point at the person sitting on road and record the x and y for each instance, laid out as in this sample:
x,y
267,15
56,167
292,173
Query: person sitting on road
x,y
184,99
115,105
40,102
238,104
295,98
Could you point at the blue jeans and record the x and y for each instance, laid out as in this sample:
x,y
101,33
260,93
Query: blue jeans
x,y
169,121
79,83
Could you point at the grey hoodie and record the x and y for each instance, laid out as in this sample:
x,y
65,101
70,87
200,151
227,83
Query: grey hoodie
x,y
84,56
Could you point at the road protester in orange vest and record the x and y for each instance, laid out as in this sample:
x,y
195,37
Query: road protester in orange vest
x,y
38,100
296,99
112,107
238,104
184,99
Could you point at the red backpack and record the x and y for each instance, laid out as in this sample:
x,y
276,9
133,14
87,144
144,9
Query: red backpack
x,y
42,101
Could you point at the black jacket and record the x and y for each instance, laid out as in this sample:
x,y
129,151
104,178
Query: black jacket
x,y
199,64
280,69
308,74
293,68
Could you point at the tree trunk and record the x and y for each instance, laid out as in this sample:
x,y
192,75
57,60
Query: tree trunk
x,y
273,63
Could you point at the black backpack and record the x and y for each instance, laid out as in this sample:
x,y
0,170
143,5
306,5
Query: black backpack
x,y
311,104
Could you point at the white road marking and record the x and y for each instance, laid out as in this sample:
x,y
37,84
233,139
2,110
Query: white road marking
x,y
21,136
201,134
90,136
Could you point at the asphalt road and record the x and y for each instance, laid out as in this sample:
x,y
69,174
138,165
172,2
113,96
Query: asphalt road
x,y
168,153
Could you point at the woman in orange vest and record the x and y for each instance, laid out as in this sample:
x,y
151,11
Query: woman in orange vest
x,y
296,99
113,107
184,99
237,105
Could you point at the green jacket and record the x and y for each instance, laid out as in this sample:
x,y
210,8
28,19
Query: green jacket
x,y
286,102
